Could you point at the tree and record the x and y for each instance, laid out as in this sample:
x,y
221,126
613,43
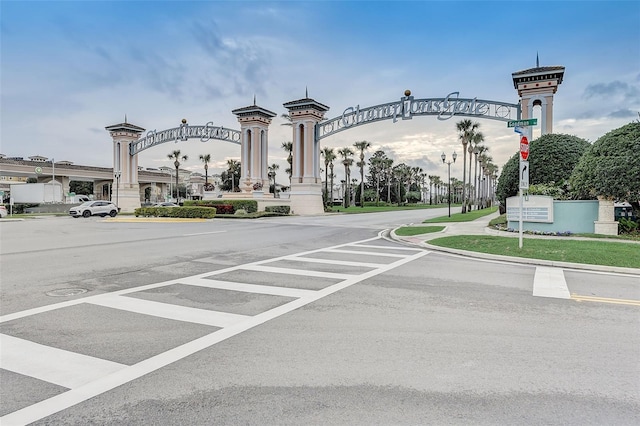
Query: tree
x,y
231,176
288,147
329,156
361,146
272,174
552,158
610,168
177,157
346,153
206,158
478,150
377,165
466,129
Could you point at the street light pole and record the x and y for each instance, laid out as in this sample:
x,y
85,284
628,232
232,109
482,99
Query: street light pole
x,y
448,163
117,174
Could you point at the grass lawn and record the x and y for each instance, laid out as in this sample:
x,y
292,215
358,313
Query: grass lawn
x,y
466,217
606,253
408,231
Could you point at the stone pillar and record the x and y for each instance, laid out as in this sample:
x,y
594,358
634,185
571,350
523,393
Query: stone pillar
x,y
126,191
306,182
606,225
254,125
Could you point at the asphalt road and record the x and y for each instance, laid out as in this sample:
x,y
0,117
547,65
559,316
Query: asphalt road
x,y
301,320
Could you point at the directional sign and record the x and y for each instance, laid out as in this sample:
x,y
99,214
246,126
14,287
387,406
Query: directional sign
x,y
524,175
519,129
522,123
524,148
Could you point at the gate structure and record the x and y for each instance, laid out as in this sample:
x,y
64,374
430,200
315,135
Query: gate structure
x,y
535,86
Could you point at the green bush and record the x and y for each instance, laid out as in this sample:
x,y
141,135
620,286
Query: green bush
x,y
278,209
183,212
628,226
250,206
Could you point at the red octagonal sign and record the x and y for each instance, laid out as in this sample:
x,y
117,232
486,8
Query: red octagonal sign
x,y
524,148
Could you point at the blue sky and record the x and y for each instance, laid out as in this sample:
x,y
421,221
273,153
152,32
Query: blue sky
x,y
68,69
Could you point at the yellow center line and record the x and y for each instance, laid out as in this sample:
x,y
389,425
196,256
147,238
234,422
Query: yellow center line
x,y
579,298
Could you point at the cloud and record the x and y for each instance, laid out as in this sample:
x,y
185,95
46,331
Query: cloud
x,y
613,89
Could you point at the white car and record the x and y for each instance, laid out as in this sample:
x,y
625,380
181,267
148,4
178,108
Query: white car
x,y
3,211
94,208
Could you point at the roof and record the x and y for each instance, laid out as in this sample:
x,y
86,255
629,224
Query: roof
x,y
253,109
305,103
539,70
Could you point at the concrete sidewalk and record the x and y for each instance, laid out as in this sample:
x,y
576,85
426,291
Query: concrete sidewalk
x,y
480,227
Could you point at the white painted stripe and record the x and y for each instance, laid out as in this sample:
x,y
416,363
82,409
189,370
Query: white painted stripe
x,y
203,233
248,288
169,311
368,253
335,262
75,396
550,282
302,272
386,247
57,366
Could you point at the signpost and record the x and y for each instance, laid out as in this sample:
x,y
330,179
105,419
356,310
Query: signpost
x,y
523,127
522,123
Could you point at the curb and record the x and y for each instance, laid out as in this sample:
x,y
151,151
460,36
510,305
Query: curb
x,y
420,242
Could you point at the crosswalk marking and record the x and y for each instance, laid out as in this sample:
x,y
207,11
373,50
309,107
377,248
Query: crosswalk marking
x,y
103,376
368,253
58,366
169,311
550,282
303,272
247,288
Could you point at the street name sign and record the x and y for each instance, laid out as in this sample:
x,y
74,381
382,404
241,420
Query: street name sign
x,y
522,123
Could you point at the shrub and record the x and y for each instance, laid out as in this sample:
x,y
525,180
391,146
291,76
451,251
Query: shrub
x,y
183,212
240,212
628,226
250,206
278,209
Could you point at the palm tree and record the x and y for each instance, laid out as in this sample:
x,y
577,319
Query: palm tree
x,y
206,158
288,147
478,150
361,146
466,129
233,172
345,153
272,173
329,156
476,139
175,155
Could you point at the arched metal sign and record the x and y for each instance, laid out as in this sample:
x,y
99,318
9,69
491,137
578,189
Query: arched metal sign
x,y
407,107
184,132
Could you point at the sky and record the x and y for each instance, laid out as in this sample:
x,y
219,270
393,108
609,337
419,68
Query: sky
x,y
70,68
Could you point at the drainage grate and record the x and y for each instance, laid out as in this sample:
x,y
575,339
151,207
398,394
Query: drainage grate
x,y
66,292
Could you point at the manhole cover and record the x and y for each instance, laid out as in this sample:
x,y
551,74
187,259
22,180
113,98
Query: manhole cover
x,y
66,292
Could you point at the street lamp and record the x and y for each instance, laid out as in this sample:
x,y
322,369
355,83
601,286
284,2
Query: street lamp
x,y
117,174
448,163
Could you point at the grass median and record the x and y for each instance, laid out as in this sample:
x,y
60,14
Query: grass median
x,y
607,253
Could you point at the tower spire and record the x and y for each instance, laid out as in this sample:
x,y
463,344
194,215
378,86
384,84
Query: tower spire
x,y
306,92
537,61
254,99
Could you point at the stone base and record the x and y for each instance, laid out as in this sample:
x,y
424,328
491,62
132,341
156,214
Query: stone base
x,y
606,227
127,198
306,199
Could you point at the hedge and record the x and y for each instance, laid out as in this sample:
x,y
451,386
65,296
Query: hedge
x,y
187,212
278,209
250,206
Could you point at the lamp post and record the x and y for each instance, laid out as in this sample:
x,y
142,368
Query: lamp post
x,y
448,163
117,174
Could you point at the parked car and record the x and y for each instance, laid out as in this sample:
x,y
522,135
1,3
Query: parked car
x,y
3,211
94,208
166,204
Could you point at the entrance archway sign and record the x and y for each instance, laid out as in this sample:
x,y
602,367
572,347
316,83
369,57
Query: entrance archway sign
x,y
182,133
408,107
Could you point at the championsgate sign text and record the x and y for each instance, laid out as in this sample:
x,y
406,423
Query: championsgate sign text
x,y
184,132
443,108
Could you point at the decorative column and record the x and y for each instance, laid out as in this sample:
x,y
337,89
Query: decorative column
x,y
306,181
606,223
536,87
125,192
254,127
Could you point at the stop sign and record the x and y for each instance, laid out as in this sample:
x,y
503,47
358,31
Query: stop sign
x,y
524,148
